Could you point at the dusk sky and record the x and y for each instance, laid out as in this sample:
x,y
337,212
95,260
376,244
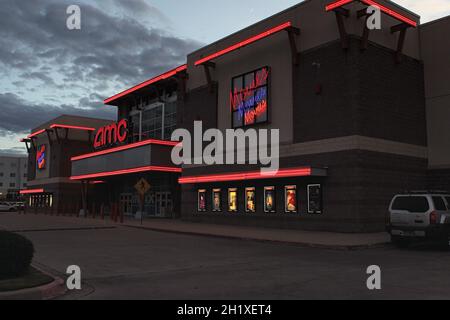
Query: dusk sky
x,y
47,70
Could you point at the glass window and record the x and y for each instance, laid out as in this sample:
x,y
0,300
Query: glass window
x,y
233,200
250,200
249,98
217,200
448,202
269,200
315,203
201,200
12,185
411,204
439,204
290,199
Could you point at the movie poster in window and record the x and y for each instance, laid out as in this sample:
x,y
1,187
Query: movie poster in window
x,y
250,200
269,200
232,200
291,201
217,200
202,200
315,200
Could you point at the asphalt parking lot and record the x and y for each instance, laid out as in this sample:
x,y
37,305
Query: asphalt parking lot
x,y
126,263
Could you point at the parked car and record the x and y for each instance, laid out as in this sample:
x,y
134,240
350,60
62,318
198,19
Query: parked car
x,y
19,205
420,215
5,206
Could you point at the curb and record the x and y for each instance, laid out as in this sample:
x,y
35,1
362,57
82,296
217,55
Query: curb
x,y
46,292
285,242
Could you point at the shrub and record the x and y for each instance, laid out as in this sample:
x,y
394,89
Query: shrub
x,y
16,253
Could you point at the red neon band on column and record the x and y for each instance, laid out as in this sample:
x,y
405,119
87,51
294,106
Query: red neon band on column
x,y
32,191
337,4
252,175
390,12
36,134
63,126
163,76
126,171
244,43
126,147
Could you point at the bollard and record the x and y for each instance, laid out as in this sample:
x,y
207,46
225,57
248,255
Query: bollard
x,y
102,211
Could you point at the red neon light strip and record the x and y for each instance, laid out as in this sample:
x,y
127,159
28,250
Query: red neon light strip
x,y
384,9
163,76
63,126
126,171
244,43
34,191
36,134
391,12
253,175
337,4
126,147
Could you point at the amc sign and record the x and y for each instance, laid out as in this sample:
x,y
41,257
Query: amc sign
x,y
112,134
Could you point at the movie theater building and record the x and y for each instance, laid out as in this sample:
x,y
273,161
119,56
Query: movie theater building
x,y
132,157
362,115
351,105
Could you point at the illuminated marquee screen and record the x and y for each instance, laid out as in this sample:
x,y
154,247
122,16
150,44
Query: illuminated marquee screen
x,y
249,98
41,157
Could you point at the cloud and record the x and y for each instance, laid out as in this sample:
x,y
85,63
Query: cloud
x,y
47,70
19,115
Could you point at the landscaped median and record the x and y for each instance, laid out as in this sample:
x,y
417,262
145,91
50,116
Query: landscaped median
x,y
18,279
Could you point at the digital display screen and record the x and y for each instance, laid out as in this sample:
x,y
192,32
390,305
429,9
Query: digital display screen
x,y
291,199
201,200
269,200
232,200
217,200
249,98
250,200
315,202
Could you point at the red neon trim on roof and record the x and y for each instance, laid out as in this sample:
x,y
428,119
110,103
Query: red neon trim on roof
x,y
36,134
32,191
384,9
244,43
391,12
126,171
126,147
253,175
63,126
163,76
337,4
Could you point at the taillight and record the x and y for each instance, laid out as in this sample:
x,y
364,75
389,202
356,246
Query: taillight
x,y
433,218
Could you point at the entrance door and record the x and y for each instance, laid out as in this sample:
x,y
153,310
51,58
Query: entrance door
x,y
163,204
126,201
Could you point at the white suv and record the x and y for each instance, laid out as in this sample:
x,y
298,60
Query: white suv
x,y
422,215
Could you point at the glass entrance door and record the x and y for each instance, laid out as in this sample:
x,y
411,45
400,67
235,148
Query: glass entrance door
x,y
126,202
163,204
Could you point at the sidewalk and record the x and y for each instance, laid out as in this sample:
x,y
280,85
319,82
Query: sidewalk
x,y
295,237
39,223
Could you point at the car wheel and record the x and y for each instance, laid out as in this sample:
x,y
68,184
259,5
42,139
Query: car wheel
x,y
400,241
12,210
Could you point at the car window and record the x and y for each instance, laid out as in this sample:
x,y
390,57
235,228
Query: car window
x,y
411,204
448,202
439,204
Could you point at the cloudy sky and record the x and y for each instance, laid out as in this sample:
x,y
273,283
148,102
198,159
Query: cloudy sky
x,y
47,70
